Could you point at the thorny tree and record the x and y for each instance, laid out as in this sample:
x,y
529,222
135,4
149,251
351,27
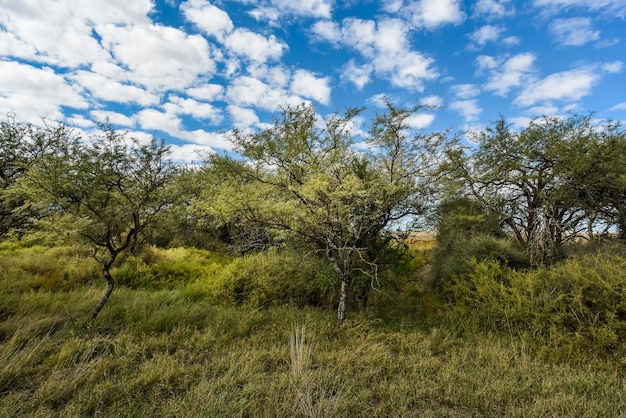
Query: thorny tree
x,y
104,190
307,177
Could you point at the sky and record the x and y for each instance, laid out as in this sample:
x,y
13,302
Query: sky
x,y
191,71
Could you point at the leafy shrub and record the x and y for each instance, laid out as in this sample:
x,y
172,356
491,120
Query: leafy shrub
x,y
567,311
275,277
461,256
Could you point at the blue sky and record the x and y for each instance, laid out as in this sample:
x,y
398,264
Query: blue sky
x,y
188,71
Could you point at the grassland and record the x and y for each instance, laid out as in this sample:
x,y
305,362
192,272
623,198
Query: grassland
x,y
169,347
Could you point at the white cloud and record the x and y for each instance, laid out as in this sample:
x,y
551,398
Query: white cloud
x,y
468,108
209,139
159,57
359,75
270,14
110,90
420,120
254,46
566,85
576,31
248,91
243,118
433,13
276,76
306,84
209,18
617,7
189,153
309,8
152,119
465,91
493,8
327,30
487,33
207,92
619,106
435,101
546,109
198,110
33,92
385,45
60,32
114,117
507,74
614,67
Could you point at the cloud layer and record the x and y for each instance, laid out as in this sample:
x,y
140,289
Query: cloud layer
x,y
191,70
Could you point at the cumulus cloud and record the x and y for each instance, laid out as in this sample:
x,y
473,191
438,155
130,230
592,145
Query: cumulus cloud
x,y
493,9
420,120
432,13
198,110
208,92
614,67
465,91
111,90
243,118
435,101
385,46
210,19
33,92
566,85
248,91
485,34
359,75
505,74
575,31
468,108
306,84
114,117
254,46
159,57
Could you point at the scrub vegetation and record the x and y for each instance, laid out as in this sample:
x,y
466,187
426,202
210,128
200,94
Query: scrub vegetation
x,y
289,280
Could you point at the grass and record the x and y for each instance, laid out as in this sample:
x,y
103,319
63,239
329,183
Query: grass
x,y
170,351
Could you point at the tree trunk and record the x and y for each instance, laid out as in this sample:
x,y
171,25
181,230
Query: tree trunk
x,y
342,310
110,284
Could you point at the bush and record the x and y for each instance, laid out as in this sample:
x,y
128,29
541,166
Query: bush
x,y
568,311
460,257
275,277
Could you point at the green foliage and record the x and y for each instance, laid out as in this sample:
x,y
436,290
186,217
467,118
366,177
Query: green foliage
x,y
44,268
303,180
467,231
275,277
571,311
547,182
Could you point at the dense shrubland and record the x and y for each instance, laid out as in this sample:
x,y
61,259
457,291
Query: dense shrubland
x,y
217,267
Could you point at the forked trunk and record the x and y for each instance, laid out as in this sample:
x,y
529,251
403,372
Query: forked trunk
x,y
342,310
110,285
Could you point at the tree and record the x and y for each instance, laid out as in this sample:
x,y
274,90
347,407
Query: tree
x,y
306,177
548,182
529,178
21,144
104,190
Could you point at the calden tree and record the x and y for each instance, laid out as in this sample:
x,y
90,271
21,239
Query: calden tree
x,y
547,182
103,190
312,179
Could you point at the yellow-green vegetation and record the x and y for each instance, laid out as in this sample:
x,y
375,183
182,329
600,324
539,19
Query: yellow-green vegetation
x,y
191,333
